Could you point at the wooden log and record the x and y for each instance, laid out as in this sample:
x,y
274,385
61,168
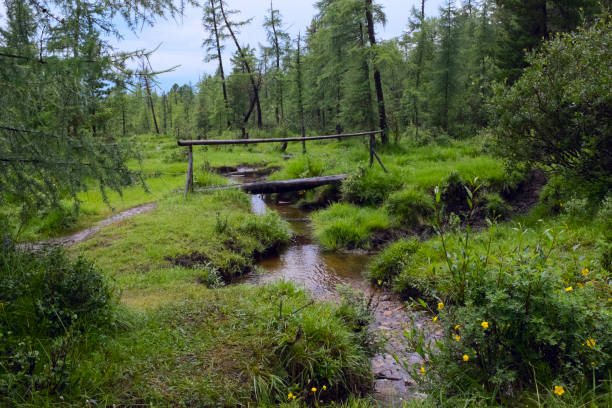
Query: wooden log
x,y
189,181
283,186
380,161
273,140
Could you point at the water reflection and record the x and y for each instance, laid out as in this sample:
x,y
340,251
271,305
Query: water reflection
x,y
305,263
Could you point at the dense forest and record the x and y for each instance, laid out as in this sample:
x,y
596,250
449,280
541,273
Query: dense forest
x,y
468,266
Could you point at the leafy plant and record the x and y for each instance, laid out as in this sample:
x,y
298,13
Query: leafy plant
x,y
514,320
48,306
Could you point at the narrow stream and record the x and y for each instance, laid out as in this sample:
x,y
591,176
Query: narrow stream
x,y
319,272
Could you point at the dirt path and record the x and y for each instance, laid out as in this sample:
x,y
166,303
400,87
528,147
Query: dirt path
x,y
87,233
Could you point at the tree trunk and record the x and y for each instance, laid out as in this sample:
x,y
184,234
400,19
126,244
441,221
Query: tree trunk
x,y
146,78
421,45
377,81
279,105
221,72
299,86
246,65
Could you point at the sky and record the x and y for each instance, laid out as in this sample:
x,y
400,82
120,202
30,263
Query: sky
x,y
180,42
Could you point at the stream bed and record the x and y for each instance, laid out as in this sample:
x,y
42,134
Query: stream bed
x,y
305,263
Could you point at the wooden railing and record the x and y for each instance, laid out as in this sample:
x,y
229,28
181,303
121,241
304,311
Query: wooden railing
x,y
191,143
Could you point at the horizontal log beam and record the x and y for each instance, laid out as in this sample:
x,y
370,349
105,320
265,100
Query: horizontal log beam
x,y
283,186
272,140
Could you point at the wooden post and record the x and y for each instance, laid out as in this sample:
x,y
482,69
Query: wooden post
x,y
380,161
371,150
189,181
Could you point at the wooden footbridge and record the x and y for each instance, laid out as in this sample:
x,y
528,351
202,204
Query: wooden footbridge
x,y
281,186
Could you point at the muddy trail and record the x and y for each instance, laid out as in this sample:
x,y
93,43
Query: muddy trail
x,y
87,233
305,263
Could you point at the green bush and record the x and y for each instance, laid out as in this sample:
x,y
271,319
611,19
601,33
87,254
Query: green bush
x,y
389,263
512,325
411,207
347,226
369,186
48,304
557,113
496,206
552,196
453,193
576,208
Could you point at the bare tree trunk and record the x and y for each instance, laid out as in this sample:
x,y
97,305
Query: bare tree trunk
x,y
279,105
419,68
146,78
165,112
377,81
246,65
299,89
221,72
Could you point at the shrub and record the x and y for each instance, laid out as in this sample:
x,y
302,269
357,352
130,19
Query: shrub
x,y
369,186
48,303
347,226
513,324
210,276
557,113
496,206
552,196
453,193
411,207
388,264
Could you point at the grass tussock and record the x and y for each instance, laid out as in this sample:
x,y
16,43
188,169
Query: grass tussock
x,y
345,226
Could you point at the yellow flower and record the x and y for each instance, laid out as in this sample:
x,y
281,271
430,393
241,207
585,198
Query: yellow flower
x,y
590,342
324,388
342,298
457,326
379,282
290,396
294,397
559,390
440,306
313,389
569,289
585,272
466,357
485,325
423,370
457,338
435,319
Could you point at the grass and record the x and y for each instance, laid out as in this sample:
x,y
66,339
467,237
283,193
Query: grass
x,y
345,226
179,342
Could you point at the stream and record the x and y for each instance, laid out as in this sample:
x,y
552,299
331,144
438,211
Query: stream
x,y
305,263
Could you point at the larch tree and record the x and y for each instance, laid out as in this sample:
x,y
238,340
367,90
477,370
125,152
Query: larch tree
x,y
55,67
214,44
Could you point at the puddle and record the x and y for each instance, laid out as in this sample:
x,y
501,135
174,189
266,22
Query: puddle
x,y
306,264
